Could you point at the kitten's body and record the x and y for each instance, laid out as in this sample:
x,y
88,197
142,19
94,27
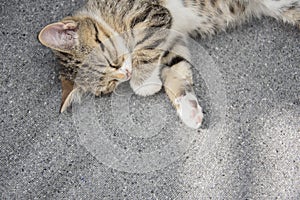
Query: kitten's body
x,y
108,42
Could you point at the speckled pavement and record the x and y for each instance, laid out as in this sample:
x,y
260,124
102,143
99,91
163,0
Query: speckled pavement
x,y
248,147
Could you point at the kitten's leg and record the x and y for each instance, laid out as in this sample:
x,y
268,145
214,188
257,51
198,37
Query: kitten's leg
x,y
145,80
287,10
178,85
148,34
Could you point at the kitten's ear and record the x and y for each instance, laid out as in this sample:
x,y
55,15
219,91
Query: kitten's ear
x,y
61,36
68,93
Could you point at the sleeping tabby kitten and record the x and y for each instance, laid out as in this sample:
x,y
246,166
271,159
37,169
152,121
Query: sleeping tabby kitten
x,y
108,42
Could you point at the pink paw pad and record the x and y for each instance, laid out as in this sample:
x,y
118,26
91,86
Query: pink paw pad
x,y
189,110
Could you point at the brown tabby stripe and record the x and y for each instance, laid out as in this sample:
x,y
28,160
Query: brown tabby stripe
x,y
188,3
67,59
106,34
97,38
108,41
155,42
140,18
146,37
175,60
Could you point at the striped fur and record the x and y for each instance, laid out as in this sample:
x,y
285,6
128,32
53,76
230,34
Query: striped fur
x,y
107,41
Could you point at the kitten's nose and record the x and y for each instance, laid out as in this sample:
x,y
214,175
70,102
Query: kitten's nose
x,y
126,68
120,76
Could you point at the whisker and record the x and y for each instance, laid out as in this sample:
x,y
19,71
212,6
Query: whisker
x,y
114,91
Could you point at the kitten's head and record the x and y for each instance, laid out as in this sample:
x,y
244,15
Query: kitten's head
x,y
90,56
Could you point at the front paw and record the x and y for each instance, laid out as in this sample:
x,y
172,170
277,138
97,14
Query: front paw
x,y
189,110
146,89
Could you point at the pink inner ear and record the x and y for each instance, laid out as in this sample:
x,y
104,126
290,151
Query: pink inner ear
x,y
59,36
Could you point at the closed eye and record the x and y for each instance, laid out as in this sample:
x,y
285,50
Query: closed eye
x,y
111,64
114,66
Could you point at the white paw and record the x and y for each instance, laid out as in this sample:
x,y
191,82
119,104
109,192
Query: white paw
x,y
146,89
150,86
189,110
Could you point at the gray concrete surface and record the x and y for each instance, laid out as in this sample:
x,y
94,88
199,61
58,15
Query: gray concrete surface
x,y
253,155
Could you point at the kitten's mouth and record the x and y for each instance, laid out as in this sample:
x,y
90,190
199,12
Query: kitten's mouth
x,y
127,75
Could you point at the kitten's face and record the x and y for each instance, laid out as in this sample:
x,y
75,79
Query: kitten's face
x,y
91,57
